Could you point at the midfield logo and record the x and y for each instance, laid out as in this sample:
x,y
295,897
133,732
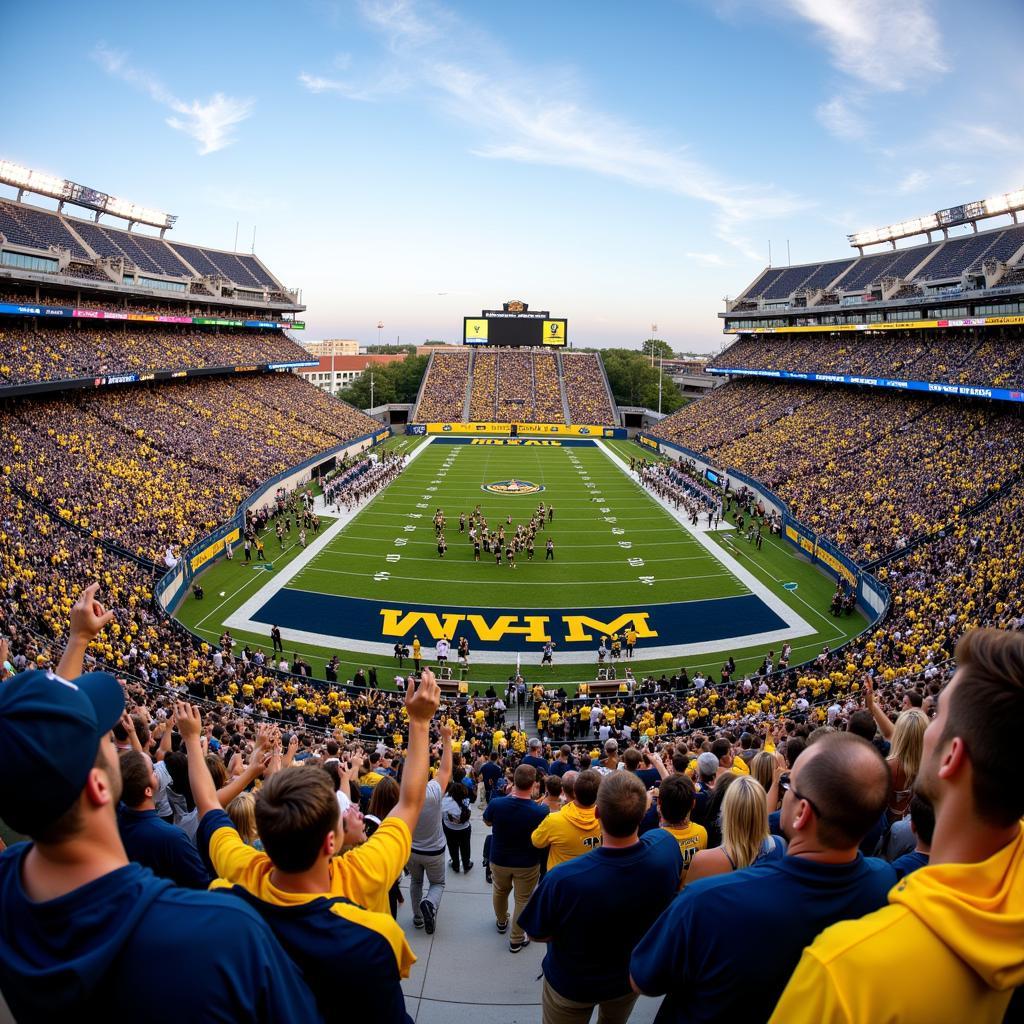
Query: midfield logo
x,y
512,487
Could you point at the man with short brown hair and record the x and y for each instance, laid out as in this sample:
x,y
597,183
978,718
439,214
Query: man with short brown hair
x,y
960,920
624,883
82,926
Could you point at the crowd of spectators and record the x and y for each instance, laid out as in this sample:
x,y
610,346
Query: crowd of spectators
x,y
483,396
444,391
512,385
586,389
547,401
991,358
769,826
155,466
38,353
871,471
514,391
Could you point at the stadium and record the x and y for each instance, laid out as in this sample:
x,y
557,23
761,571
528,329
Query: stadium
x,y
514,579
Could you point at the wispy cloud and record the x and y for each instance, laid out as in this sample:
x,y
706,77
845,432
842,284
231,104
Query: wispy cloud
x,y
388,83
211,122
982,137
913,182
540,118
840,117
711,259
879,46
886,44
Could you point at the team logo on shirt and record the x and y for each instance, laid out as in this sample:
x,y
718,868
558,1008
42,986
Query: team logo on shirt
x,y
512,487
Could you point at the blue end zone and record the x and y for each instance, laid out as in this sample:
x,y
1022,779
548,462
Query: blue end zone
x,y
503,629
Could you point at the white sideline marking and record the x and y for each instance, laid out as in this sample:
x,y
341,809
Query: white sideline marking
x,y
797,625
241,618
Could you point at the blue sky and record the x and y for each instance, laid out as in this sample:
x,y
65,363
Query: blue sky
x,y
620,165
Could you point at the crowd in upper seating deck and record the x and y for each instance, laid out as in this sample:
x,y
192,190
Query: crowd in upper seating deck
x,y
993,358
162,465
62,353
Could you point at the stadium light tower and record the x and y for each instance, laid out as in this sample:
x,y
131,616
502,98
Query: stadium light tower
x,y
380,331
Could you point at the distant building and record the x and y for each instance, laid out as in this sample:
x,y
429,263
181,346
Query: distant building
x,y
335,372
332,347
425,350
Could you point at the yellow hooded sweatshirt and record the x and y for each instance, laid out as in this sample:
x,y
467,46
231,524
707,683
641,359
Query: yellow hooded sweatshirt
x,y
570,832
948,947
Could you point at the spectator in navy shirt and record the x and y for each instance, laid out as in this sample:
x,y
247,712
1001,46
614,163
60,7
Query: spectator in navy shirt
x,y
565,762
833,796
535,757
163,848
82,927
514,861
922,825
490,772
626,883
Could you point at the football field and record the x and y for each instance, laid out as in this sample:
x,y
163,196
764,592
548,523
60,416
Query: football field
x,y
622,561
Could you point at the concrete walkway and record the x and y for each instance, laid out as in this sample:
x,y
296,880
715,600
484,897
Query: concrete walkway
x,y
464,972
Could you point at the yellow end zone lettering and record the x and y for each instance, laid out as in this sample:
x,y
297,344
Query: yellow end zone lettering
x,y
578,624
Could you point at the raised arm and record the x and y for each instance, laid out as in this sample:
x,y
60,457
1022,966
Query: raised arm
x,y
88,617
444,772
129,727
190,725
164,747
258,764
657,763
420,703
882,720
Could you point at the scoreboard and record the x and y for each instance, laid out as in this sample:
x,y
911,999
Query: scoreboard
x,y
515,325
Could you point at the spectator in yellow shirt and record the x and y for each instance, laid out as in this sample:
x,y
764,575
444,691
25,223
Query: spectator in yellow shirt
x,y
676,798
574,830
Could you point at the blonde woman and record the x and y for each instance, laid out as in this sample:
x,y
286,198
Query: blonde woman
x,y
904,760
906,740
745,836
242,812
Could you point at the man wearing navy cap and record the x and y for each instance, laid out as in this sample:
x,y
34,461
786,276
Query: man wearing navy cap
x,y
83,928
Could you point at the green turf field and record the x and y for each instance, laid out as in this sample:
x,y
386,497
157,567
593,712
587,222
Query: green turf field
x,y
614,546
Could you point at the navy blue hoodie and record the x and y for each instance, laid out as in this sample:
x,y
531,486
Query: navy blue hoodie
x,y
132,939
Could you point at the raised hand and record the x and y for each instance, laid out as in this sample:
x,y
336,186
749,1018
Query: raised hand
x,y
190,722
88,616
421,702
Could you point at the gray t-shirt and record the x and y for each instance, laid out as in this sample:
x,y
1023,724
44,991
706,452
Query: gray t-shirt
x,y
428,836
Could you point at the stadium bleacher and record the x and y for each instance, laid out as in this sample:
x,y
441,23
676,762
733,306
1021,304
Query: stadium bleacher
x,y
54,353
919,267
512,385
586,388
444,387
995,359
